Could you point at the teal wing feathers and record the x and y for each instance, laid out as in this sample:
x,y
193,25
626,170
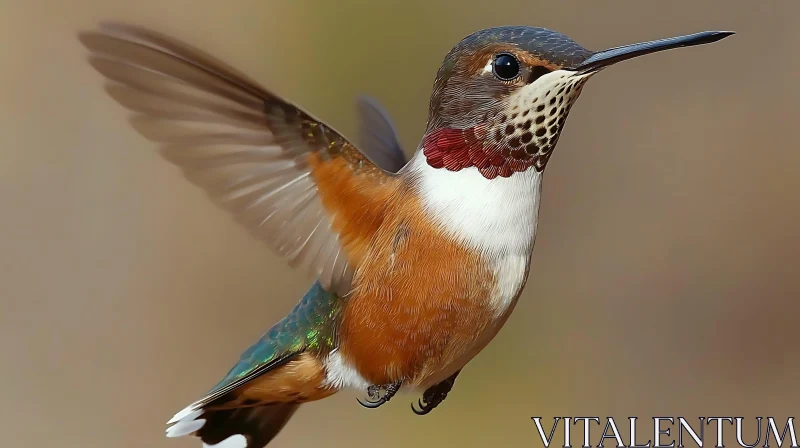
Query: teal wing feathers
x,y
310,326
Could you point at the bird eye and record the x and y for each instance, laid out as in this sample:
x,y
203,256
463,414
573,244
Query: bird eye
x,y
506,66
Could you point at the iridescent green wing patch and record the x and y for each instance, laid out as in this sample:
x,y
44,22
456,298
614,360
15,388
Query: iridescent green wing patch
x,y
308,327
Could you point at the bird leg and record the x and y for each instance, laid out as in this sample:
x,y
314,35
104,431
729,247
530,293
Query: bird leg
x,y
434,395
374,392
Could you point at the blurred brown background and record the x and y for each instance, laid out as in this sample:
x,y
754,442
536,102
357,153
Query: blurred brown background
x,y
665,277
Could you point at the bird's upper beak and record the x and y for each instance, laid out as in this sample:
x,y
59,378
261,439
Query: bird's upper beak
x,y
601,59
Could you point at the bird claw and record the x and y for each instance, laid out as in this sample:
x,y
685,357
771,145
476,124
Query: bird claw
x,y
434,396
370,404
373,392
428,402
423,408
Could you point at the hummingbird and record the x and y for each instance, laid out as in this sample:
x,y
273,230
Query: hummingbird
x,y
418,262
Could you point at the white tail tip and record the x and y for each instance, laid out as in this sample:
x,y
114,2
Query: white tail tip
x,y
186,422
185,412
234,441
185,427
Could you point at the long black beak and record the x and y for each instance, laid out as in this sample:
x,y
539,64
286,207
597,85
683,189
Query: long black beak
x,y
605,58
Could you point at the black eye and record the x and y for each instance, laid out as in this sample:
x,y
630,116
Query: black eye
x,y
506,66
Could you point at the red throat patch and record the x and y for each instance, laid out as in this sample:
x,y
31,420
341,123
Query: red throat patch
x,y
456,149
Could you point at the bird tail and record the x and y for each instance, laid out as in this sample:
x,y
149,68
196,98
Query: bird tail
x,y
250,413
249,427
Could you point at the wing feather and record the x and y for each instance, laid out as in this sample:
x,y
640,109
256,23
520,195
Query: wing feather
x,y
379,136
253,153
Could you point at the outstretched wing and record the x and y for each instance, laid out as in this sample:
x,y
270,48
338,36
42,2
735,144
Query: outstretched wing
x,y
378,135
294,182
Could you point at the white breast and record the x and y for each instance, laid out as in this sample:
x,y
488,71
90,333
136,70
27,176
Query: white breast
x,y
496,217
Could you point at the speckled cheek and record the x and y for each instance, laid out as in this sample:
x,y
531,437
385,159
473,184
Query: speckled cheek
x,y
529,128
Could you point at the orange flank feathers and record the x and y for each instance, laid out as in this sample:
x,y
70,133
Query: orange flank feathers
x,y
298,381
419,299
419,303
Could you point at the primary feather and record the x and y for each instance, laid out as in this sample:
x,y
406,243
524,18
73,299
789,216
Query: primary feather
x,y
250,150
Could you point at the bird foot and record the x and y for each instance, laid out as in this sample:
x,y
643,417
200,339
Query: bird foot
x,y
374,392
434,395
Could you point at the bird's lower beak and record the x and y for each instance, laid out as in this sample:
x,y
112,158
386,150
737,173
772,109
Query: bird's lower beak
x,y
601,59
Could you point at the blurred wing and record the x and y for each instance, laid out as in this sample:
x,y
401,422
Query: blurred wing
x,y
294,182
378,136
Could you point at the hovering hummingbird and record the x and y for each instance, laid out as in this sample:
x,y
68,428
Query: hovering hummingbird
x,y
419,263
